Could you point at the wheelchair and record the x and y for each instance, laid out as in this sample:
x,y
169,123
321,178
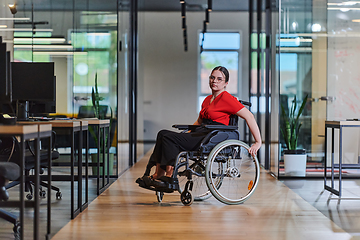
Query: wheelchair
x,y
222,167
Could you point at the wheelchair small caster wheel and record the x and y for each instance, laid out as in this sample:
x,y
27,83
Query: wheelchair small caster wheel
x,y
160,196
42,193
58,195
16,230
29,196
187,198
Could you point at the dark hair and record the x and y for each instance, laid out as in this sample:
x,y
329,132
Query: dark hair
x,y
223,70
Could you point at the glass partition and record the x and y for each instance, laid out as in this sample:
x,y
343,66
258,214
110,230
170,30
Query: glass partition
x,y
296,65
318,44
84,44
343,83
123,86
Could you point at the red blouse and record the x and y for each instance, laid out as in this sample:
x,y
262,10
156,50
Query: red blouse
x,y
220,109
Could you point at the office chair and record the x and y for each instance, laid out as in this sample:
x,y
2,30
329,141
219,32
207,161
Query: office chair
x,y
10,152
9,171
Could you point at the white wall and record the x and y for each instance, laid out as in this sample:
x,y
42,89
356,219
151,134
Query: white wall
x,y
168,75
62,85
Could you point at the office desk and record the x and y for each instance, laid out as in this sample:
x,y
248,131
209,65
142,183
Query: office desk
x,y
26,133
102,129
70,127
335,125
84,125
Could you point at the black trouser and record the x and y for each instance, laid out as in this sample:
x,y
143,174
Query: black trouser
x,y
169,144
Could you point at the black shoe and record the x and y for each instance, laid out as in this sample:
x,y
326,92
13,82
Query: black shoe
x,y
140,181
158,184
166,179
144,181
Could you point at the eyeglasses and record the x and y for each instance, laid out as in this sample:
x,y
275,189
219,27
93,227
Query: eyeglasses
x,y
214,79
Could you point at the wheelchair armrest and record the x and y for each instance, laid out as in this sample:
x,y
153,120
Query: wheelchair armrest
x,y
185,127
220,127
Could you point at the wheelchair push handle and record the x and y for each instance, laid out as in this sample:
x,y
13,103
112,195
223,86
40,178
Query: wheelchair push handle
x,y
246,103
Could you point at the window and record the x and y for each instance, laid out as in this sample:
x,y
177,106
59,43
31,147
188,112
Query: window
x,y
218,48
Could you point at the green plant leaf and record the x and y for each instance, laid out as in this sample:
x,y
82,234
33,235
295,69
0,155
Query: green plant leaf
x,y
286,127
290,127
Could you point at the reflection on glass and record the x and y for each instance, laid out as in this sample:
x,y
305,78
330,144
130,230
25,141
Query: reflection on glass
x,y
221,40
209,60
219,49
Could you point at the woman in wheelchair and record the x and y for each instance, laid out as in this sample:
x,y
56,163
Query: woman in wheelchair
x,y
216,109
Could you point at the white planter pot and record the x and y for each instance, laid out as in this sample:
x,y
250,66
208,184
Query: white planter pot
x,y
295,165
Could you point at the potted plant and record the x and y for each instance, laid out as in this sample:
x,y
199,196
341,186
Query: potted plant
x,y
294,158
96,99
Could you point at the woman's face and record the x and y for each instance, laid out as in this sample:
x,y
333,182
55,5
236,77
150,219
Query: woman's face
x,y
217,81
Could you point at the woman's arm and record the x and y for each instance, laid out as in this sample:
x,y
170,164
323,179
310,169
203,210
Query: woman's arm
x,y
254,129
198,121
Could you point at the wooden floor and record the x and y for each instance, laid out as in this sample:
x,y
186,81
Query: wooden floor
x,y
60,210
125,211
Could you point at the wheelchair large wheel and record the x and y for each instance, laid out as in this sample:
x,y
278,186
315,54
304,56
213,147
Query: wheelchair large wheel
x,y
200,190
239,172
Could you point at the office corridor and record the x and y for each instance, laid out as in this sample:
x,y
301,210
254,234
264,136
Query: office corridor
x,y
126,211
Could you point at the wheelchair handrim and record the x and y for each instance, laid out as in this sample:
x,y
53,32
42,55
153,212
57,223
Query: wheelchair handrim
x,y
209,180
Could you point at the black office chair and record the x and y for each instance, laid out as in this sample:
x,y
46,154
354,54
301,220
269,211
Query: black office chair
x,y
10,152
9,171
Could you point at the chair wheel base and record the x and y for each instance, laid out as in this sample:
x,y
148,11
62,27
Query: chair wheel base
x,y
58,195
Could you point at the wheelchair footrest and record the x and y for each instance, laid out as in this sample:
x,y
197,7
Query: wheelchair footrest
x,y
159,186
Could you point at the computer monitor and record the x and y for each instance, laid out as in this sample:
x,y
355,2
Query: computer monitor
x,y
5,77
33,88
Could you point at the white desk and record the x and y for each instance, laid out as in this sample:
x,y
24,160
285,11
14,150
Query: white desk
x,y
335,125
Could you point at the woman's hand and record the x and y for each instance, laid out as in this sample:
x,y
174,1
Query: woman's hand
x,y
254,148
254,129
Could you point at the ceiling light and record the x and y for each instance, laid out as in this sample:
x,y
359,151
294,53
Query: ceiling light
x,y
3,26
183,10
26,30
13,19
349,3
207,20
290,40
356,20
13,8
316,27
98,34
60,53
39,40
347,9
47,46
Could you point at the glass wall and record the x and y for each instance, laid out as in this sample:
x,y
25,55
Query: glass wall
x,y
85,44
317,55
123,86
259,76
297,31
343,83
